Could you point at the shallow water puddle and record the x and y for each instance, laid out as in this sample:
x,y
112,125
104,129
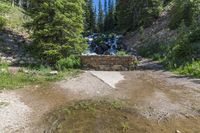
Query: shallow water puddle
x,y
142,102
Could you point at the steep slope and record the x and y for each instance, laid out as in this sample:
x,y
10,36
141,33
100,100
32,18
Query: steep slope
x,y
14,38
158,33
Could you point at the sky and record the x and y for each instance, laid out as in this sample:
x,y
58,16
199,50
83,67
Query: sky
x,y
96,2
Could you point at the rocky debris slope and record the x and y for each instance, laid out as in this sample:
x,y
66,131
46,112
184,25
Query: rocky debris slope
x,y
158,33
12,49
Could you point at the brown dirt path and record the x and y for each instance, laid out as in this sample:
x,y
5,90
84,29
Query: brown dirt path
x,y
164,101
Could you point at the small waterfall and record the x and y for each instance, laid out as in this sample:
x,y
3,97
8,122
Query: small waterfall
x,y
100,44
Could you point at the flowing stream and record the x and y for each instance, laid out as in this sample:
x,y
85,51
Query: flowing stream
x,y
100,44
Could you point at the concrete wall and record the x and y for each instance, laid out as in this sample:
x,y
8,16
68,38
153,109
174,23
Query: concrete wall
x,y
108,63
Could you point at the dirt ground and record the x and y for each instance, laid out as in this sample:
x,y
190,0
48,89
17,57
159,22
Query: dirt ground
x,y
162,101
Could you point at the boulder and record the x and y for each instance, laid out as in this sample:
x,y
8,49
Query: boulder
x,y
53,73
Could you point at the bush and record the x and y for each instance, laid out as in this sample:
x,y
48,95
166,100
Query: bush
x,y
69,62
121,53
195,35
183,11
154,49
2,22
190,69
185,49
51,56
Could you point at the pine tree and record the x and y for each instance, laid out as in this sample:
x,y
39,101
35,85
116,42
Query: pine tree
x,y
105,8
132,14
106,23
57,26
90,16
100,18
110,15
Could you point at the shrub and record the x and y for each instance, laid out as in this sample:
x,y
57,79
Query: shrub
x,y
67,63
154,49
51,56
185,49
195,35
121,53
184,11
190,69
2,22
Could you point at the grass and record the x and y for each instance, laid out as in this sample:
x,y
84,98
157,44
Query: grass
x,y
40,75
165,54
89,116
190,69
15,17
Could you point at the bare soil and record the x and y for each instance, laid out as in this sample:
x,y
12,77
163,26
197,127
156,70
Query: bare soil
x,y
156,101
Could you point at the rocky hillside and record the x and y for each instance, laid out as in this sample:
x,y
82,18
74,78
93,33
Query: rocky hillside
x,y
13,49
158,33
14,38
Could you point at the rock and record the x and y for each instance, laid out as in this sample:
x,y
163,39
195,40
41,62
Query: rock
x,y
117,68
21,62
3,58
9,58
104,67
177,131
8,61
25,71
53,73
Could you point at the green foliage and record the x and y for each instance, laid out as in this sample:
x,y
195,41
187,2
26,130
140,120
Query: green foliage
x,y
14,16
195,35
56,28
90,17
184,11
34,75
10,81
4,8
121,53
186,48
133,13
87,112
69,62
2,22
100,23
154,50
182,55
110,17
190,69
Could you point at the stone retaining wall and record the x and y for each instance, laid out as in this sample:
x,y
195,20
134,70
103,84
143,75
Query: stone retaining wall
x,y
109,63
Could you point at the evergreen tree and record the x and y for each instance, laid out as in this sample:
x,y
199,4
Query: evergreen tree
x,y
110,15
132,14
100,17
105,7
90,16
184,11
57,26
106,23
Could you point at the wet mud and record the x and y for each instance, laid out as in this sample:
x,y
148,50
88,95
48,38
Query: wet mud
x,y
154,102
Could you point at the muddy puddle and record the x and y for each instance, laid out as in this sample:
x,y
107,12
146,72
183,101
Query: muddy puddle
x,y
152,103
144,102
112,117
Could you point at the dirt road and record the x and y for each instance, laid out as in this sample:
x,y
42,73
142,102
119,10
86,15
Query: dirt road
x,y
162,101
